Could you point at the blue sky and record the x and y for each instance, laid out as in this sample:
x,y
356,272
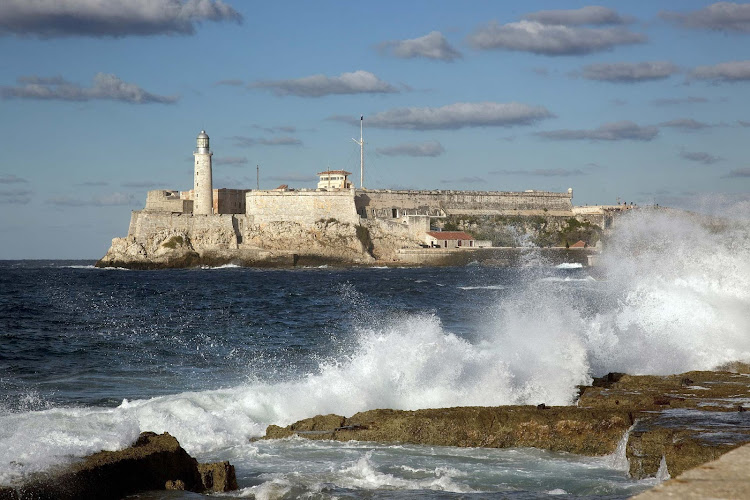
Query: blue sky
x,y
101,101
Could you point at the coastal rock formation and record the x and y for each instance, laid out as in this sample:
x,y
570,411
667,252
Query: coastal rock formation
x,y
685,420
153,462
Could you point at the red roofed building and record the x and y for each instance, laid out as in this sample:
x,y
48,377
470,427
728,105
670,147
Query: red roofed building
x,y
579,244
449,239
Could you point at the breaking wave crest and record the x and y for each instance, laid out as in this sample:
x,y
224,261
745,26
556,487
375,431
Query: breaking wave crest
x,y
675,296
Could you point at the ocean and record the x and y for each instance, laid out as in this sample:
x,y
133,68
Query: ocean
x,y
89,358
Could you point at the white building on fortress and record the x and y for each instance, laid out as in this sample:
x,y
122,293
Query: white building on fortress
x,y
336,197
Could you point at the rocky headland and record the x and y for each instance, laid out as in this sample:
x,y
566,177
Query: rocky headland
x,y
153,462
679,420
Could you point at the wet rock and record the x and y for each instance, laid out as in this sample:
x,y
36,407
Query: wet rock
x,y
218,477
153,462
570,429
687,419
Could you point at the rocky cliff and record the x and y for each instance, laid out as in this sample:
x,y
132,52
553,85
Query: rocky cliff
x,y
163,240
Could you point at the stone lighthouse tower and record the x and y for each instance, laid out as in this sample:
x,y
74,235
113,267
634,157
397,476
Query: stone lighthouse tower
x,y
203,202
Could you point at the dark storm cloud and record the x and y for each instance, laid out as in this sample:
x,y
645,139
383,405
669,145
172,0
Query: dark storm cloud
x,y
116,18
455,116
105,87
431,46
616,131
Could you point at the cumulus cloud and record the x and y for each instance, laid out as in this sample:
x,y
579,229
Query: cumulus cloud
x,y
629,72
11,179
674,101
616,131
15,196
230,160
720,16
431,46
591,14
105,87
701,157
685,124
116,18
733,71
358,82
114,199
248,142
455,116
542,172
739,172
551,40
429,148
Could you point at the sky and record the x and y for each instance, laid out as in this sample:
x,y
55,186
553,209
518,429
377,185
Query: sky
x,y
101,101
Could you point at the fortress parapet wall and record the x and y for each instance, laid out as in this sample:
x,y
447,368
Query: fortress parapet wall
x,y
394,204
304,207
209,231
161,200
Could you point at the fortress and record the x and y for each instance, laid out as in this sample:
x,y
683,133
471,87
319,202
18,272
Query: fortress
x,y
335,222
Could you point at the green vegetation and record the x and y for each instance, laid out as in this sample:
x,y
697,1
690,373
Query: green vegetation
x,y
517,230
172,242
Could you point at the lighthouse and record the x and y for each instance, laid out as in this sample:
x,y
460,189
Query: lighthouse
x,y
203,202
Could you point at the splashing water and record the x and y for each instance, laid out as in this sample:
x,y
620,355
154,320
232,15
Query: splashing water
x,y
675,296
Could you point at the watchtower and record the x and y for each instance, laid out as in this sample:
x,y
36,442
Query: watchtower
x,y
203,203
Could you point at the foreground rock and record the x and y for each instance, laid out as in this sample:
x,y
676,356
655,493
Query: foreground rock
x,y
686,419
153,462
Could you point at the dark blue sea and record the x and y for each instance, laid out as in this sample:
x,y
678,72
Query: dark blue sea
x,y
89,358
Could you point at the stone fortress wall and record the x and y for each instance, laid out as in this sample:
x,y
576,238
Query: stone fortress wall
x,y
388,204
303,207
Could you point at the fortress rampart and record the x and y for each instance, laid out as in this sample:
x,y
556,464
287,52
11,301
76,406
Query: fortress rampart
x,y
303,207
395,204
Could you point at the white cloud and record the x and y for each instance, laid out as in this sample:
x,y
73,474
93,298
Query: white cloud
x,y
551,40
455,116
701,157
739,172
629,72
230,160
15,196
733,71
685,124
243,141
720,16
115,18
358,82
591,14
616,131
431,46
11,179
105,87
429,148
